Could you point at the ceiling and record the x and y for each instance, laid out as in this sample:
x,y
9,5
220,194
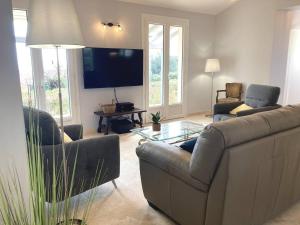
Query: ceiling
x,y
212,7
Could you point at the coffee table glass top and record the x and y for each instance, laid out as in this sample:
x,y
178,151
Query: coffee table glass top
x,y
180,130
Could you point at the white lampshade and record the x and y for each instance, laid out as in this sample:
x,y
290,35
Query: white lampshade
x,y
53,23
212,66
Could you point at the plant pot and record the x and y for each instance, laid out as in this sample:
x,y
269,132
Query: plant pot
x,y
156,126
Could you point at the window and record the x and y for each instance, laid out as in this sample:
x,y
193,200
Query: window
x,y
175,65
165,40
24,59
38,73
156,59
292,92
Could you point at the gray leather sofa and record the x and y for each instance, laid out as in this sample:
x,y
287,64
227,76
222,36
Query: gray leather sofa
x,y
260,97
92,153
243,171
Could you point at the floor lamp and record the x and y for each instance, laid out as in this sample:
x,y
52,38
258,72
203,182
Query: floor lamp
x,y
212,66
54,24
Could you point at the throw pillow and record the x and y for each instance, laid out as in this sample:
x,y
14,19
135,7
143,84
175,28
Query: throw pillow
x,y
189,145
67,138
242,107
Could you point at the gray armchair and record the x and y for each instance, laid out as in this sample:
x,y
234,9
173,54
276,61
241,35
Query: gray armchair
x,y
260,97
91,153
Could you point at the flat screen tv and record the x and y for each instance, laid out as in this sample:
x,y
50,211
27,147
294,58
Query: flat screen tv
x,y
110,67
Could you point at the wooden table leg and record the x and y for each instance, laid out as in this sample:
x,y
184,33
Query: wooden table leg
x,y
132,119
108,123
100,124
141,119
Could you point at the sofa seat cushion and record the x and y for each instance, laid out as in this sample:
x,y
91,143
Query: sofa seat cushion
x,y
172,160
223,117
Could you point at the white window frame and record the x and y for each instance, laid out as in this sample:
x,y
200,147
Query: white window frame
x,y
38,77
167,21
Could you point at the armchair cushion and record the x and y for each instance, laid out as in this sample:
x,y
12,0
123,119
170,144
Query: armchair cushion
x,y
170,159
228,100
258,96
223,117
102,153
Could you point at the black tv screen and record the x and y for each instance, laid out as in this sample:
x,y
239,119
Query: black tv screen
x,y
109,67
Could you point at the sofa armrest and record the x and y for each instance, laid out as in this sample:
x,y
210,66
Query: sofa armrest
x,y
74,131
170,159
162,155
257,110
102,153
225,108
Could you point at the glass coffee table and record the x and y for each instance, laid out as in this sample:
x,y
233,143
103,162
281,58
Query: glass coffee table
x,y
172,133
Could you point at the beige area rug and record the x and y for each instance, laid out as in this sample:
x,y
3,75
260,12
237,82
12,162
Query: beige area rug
x,y
127,205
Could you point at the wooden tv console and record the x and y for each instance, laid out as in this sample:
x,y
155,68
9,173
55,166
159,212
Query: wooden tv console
x,y
109,116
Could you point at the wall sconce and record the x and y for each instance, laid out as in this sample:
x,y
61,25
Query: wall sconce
x,y
111,25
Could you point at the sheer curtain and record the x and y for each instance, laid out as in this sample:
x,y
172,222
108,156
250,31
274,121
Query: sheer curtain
x,y
292,89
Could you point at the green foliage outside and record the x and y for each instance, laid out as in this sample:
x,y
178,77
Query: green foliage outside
x,y
155,89
156,68
51,93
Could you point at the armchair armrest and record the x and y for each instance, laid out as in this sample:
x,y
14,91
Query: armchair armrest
x,y
170,159
257,110
225,108
92,154
74,131
219,91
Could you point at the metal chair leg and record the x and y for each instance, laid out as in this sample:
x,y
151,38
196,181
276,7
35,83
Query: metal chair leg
x,y
114,183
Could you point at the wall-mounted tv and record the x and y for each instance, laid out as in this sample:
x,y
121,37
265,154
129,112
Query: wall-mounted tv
x,y
110,67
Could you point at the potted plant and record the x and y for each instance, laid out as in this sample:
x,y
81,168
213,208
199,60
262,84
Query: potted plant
x,y
18,207
156,126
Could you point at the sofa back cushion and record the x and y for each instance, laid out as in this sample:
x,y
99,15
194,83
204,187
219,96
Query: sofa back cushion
x,y
218,137
49,133
258,96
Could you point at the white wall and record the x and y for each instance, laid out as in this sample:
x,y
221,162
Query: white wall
x,y
249,38
12,131
244,42
252,42
93,12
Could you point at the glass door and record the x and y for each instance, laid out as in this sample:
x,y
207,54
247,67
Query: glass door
x,y
165,57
